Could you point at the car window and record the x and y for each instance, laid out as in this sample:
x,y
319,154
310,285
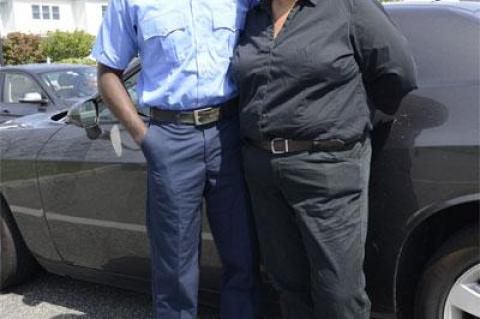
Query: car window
x,y
105,114
131,85
17,85
444,44
72,84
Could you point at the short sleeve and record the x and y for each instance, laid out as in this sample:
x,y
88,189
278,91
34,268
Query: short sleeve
x,y
383,55
116,44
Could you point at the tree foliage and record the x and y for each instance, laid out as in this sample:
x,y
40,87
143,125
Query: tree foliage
x,y
86,60
60,45
20,48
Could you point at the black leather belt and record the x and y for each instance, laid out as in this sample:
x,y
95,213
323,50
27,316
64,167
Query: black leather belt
x,y
199,117
283,146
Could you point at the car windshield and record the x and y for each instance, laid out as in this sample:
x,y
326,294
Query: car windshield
x,y
72,84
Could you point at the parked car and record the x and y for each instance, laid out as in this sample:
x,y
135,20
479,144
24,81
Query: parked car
x,y
75,202
31,88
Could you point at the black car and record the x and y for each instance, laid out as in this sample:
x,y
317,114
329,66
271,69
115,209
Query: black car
x,y
31,88
75,202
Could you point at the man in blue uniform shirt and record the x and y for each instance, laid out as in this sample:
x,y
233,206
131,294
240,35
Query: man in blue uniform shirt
x,y
191,144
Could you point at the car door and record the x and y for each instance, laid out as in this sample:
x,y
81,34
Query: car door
x,y
15,87
94,194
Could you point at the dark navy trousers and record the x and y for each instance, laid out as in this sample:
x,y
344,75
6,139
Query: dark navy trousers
x,y
185,165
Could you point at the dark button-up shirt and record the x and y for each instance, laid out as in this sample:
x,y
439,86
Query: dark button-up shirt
x,y
332,63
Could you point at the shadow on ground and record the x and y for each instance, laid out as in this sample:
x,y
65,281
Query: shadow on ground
x,y
49,296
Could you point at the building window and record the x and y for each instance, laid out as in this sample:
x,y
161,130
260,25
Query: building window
x,y
46,12
104,10
55,13
35,12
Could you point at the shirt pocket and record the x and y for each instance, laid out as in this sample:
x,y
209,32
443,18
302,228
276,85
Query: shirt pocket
x,y
166,37
226,31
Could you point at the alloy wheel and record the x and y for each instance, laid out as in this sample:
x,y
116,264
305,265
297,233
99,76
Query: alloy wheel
x,y
463,301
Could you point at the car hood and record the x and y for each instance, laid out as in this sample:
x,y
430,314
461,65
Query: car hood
x,y
37,120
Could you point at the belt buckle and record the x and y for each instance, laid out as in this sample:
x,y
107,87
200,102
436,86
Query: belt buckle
x,y
205,116
273,148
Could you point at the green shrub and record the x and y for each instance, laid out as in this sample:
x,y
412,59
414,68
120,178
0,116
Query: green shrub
x,y
85,60
60,45
21,48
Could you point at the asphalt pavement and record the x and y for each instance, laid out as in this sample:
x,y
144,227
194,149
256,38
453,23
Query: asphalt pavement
x,y
48,296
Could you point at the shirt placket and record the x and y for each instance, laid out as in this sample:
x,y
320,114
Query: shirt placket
x,y
198,29
272,43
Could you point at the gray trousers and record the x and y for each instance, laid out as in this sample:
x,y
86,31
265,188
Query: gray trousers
x,y
311,213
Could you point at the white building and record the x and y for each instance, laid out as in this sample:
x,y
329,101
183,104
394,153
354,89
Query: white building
x,y
40,16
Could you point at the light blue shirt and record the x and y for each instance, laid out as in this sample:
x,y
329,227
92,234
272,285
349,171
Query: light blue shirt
x,y
184,46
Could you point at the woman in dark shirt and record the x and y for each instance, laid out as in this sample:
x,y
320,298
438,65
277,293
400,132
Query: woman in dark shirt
x,y
311,73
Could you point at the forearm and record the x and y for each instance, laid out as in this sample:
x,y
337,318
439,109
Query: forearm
x,y
116,97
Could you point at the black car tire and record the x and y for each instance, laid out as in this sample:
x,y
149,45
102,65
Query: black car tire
x,y
449,263
16,261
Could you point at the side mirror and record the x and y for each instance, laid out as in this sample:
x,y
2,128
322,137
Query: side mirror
x,y
34,98
85,115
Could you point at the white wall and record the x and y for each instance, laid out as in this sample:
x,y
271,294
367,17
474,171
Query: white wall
x,y
6,19
78,8
93,12
16,16
3,10
22,11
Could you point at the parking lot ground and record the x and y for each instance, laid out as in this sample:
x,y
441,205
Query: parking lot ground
x,y
48,296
